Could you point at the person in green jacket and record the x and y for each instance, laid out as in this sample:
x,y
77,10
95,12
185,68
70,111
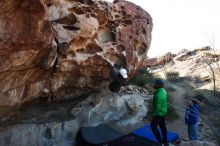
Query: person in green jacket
x,y
159,111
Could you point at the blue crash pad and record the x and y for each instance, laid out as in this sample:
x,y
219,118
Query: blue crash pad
x,y
146,132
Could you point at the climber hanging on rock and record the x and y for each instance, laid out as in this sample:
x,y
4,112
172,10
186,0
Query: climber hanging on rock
x,y
119,76
119,79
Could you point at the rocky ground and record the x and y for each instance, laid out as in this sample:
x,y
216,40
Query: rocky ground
x,y
206,132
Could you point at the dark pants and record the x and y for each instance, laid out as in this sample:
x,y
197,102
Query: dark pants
x,y
159,121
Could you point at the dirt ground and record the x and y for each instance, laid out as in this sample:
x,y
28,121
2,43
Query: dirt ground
x,y
207,129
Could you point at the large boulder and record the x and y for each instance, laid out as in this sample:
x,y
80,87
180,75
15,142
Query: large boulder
x,y
57,125
64,48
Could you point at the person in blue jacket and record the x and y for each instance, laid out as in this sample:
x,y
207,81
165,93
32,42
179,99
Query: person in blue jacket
x,y
192,118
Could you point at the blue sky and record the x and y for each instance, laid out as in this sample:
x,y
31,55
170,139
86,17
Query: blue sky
x,y
182,24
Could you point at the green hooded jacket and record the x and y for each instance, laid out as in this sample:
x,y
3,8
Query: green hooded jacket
x,y
160,102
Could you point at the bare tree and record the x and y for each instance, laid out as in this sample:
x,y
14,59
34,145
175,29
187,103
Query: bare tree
x,y
210,62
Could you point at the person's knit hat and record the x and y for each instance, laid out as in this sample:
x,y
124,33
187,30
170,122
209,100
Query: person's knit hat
x,y
159,82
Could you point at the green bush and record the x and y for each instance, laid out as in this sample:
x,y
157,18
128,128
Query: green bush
x,y
157,76
209,55
144,71
142,78
173,76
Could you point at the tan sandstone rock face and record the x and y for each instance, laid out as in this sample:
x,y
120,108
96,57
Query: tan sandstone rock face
x,y
66,48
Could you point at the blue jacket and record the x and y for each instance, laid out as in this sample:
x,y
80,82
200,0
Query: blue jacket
x,y
192,114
